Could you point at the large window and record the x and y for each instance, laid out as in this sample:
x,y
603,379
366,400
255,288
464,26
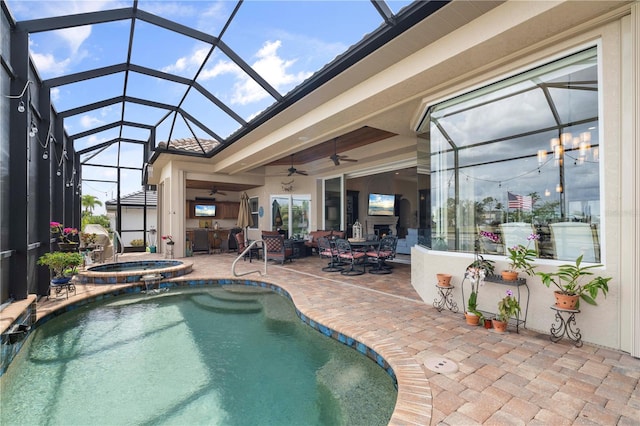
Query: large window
x,y
255,211
517,157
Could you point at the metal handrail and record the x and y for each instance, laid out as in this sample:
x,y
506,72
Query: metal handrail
x,y
115,253
246,250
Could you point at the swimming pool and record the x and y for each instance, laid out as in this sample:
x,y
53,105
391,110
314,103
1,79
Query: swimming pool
x,y
130,272
215,355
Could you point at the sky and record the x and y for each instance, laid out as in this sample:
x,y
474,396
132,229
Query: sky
x,y
283,41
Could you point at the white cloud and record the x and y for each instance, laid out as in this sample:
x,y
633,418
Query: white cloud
x,y
47,64
74,37
273,69
268,64
55,94
87,121
188,63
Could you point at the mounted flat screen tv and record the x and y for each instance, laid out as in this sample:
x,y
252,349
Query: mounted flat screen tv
x,y
381,205
205,210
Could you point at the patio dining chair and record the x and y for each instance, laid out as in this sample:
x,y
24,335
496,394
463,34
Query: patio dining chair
x,y
327,250
355,259
384,251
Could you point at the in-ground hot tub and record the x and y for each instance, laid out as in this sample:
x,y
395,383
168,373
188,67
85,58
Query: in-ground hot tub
x,y
130,272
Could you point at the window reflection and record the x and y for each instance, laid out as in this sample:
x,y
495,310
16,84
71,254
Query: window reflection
x,y
523,151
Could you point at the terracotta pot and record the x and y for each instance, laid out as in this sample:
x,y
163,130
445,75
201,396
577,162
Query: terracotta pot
x,y
509,275
444,280
488,324
472,319
499,326
566,301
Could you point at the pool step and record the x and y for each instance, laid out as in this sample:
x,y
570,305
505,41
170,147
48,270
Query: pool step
x,y
221,293
233,307
246,289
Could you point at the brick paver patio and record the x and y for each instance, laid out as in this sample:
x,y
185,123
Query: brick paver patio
x,y
502,379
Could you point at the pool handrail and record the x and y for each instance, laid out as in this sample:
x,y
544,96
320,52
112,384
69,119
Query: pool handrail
x,y
244,253
115,253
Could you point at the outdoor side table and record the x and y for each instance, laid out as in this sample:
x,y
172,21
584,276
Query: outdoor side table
x,y
445,299
565,326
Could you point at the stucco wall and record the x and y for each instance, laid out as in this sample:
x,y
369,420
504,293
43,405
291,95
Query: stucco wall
x,y
607,323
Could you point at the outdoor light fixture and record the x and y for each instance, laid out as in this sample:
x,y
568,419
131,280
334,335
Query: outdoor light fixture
x,y
542,156
21,106
33,129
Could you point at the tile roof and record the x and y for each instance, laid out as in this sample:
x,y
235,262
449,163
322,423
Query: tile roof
x,y
191,144
135,199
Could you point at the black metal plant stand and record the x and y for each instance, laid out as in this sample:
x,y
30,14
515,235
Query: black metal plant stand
x,y
566,326
445,299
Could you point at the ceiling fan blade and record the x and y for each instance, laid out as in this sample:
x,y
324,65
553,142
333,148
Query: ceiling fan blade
x,y
348,159
300,172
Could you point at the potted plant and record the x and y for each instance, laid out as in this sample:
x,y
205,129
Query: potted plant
x,y
62,264
508,307
476,273
88,240
520,257
65,235
576,282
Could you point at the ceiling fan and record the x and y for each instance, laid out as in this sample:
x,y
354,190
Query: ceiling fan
x,y
335,157
215,191
292,170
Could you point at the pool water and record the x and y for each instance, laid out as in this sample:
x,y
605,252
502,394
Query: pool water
x,y
215,356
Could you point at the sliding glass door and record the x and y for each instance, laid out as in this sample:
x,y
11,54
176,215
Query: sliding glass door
x,y
333,190
290,214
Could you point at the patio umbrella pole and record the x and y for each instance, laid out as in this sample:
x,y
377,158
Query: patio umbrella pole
x,y
244,216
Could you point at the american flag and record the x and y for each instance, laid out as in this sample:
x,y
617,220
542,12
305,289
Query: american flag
x,y
524,202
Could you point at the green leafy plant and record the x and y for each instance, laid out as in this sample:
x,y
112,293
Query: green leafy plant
x,y
508,307
62,264
577,280
520,257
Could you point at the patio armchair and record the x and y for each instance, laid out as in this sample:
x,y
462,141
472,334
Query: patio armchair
x,y
276,249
